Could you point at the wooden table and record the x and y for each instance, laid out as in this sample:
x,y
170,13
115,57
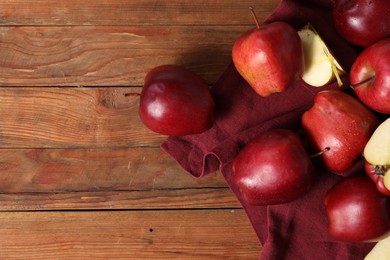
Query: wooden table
x,y
81,177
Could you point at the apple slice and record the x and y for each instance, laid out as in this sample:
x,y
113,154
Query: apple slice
x,y
377,151
321,67
381,251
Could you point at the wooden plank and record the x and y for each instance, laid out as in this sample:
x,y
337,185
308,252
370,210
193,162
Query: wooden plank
x,y
189,234
72,117
75,170
168,199
110,55
130,12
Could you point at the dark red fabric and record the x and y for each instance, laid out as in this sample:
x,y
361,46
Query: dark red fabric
x,y
295,230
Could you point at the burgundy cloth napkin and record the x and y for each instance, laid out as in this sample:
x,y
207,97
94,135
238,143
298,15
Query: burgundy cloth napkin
x,y
295,230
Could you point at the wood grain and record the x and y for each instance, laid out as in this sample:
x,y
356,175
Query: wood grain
x,y
73,170
130,12
72,117
80,176
188,199
110,55
195,234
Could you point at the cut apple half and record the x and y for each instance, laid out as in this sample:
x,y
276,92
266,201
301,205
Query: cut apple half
x,y
377,151
321,67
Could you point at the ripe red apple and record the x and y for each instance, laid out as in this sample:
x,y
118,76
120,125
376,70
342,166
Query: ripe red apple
x,y
269,57
362,22
357,211
273,168
340,126
175,101
370,76
376,173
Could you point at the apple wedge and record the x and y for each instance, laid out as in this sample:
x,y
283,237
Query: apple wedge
x,y
321,67
381,251
377,151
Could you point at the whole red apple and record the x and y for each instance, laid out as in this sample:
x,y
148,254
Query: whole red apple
x,y
370,76
357,211
273,168
175,101
340,126
362,22
269,57
376,173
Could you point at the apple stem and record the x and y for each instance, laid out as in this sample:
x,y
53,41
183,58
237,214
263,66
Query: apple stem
x,y
254,17
326,149
362,82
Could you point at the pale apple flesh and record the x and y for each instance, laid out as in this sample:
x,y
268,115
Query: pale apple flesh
x,y
377,151
321,67
381,250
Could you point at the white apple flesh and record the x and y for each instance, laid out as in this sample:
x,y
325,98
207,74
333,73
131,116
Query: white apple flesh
x,y
321,67
377,150
381,251
386,179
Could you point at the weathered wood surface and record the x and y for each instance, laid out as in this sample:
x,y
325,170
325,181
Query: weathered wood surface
x,y
109,55
72,117
177,234
116,42
130,12
80,176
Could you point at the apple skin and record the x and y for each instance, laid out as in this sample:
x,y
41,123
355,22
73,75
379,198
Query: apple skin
x,y
362,22
269,57
174,101
357,211
376,178
339,124
273,168
373,62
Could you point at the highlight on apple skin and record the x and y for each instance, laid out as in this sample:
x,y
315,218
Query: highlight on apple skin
x,y
357,211
269,57
175,101
340,126
273,168
370,76
362,22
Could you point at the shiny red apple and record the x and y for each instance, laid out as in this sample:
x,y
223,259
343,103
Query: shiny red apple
x,y
340,126
273,168
370,76
362,22
376,173
269,57
174,101
357,211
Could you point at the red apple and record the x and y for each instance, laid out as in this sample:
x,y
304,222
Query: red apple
x,y
376,173
362,22
357,211
370,76
175,101
273,168
340,126
269,57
